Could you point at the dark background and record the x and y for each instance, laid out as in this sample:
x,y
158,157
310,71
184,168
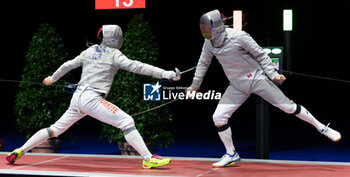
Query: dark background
x,y
319,41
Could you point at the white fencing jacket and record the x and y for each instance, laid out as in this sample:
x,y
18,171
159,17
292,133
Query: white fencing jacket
x,y
100,64
241,58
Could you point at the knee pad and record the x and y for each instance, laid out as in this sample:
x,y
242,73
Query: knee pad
x,y
297,110
128,130
223,128
50,132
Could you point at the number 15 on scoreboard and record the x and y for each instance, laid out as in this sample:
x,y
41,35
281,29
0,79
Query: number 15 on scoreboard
x,y
119,4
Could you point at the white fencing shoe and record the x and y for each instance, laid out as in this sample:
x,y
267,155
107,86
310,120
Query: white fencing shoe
x,y
227,160
334,135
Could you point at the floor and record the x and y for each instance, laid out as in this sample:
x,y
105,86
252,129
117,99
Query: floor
x,y
208,148
36,164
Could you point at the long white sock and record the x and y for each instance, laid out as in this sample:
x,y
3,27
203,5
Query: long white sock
x,y
135,140
226,138
39,137
306,116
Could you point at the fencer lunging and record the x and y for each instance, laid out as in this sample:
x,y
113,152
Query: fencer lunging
x,y
100,64
248,69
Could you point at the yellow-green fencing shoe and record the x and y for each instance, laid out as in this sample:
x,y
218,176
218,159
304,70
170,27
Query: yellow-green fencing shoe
x,y
155,161
13,156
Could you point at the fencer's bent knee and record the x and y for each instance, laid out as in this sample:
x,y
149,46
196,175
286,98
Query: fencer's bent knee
x,y
220,119
287,108
56,131
223,113
127,123
129,127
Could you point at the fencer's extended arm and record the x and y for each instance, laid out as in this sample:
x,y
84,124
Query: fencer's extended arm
x,y
249,44
66,67
138,67
202,67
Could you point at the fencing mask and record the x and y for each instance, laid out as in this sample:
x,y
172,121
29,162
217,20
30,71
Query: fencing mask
x,y
112,36
212,27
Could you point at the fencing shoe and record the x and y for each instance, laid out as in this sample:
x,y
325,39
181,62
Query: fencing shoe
x,y
155,161
227,160
14,155
334,135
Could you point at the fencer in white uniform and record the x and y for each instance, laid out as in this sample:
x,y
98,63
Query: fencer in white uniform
x,y
100,64
248,69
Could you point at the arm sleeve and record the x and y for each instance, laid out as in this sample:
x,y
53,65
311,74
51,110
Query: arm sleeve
x,y
66,67
138,67
249,44
202,67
